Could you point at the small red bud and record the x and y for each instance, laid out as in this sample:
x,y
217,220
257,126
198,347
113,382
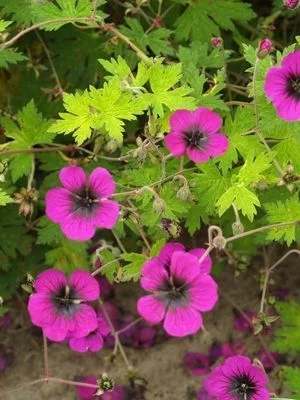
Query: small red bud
x,y
216,42
265,47
291,4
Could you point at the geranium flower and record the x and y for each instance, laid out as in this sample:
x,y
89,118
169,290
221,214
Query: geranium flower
x,y
197,363
81,205
238,379
180,289
282,86
94,341
196,133
58,306
86,393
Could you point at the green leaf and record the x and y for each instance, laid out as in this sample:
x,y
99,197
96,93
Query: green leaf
x,y
243,198
19,10
60,9
48,233
203,20
4,198
240,143
292,379
156,40
105,108
10,56
194,216
4,25
68,256
287,211
209,186
287,337
162,79
252,170
156,248
132,271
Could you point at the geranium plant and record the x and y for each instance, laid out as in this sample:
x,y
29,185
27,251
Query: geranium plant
x,y
149,168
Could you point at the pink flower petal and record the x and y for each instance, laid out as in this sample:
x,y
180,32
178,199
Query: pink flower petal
x,y
167,251
41,310
85,285
258,375
206,264
236,364
217,145
174,142
198,156
181,120
85,321
203,293
275,83
289,110
216,384
72,178
78,227
58,204
50,281
182,321
184,266
101,182
86,393
262,394
93,342
291,63
59,329
153,275
151,309
207,120
107,214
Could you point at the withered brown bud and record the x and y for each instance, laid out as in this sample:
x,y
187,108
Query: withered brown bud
x,y
26,198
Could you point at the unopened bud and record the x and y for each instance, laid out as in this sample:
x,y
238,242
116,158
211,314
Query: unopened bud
x,y
291,4
219,242
159,205
264,48
111,146
141,154
183,193
289,169
237,228
216,42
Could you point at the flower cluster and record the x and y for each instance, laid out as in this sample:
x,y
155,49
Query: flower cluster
x,y
180,288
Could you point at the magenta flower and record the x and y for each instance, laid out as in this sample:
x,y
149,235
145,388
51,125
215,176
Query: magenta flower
x,y
86,393
238,379
180,288
94,341
291,4
233,349
202,394
216,42
282,86
58,306
81,205
268,359
196,133
241,324
197,363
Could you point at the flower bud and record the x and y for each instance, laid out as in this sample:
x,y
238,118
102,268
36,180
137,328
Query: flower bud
x,y
111,146
159,205
264,48
141,154
291,4
237,228
183,193
216,42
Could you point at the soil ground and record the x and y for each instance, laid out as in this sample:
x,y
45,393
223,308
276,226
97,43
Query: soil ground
x,y
161,365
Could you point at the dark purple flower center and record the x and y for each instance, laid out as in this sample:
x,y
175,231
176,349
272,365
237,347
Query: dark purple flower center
x,y
66,301
174,291
195,139
242,387
85,202
293,86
